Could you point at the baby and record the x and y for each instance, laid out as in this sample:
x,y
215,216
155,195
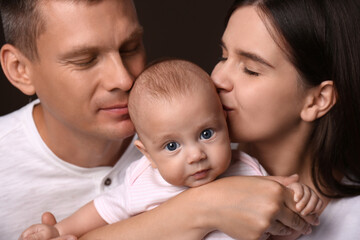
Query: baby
x,y
183,135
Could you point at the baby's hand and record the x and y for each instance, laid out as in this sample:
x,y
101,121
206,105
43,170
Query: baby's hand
x,y
307,201
40,232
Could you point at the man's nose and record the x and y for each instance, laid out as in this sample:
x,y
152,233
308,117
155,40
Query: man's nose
x,y
117,75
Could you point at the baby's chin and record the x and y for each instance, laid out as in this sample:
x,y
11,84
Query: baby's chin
x,y
200,182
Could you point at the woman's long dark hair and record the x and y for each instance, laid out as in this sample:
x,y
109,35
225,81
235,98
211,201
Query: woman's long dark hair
x,y
322,40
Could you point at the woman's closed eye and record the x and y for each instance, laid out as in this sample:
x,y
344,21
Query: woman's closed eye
x,y
222,59
249,72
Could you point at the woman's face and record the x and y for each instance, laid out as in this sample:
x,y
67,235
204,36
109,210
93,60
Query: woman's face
x,y
258,86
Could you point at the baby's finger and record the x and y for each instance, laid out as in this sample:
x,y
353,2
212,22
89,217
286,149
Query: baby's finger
x,y
318,206
311,204
298,191
304,200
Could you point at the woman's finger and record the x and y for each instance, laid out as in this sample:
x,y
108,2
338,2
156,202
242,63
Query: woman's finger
x,y
279,229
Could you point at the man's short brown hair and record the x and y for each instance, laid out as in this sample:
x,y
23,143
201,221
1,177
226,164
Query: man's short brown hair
x,y
23,23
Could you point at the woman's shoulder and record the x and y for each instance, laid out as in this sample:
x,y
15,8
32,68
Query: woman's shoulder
x,y
347,205
340,220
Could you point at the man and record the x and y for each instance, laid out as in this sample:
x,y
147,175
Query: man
x,y
59,152
81,65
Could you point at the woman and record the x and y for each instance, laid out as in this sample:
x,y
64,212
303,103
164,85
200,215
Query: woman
x,y
289,80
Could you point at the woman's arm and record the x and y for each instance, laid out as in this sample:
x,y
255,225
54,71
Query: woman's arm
x,y
242,207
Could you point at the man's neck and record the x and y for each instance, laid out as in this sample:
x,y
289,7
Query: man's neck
x,y
76,148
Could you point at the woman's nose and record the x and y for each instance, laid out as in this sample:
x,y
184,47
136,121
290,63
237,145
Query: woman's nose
x,y
221,77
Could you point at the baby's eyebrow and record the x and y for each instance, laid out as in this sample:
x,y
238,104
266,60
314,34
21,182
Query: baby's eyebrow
x,y
161,140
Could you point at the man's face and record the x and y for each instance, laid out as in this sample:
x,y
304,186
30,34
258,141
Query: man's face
x,y
89,56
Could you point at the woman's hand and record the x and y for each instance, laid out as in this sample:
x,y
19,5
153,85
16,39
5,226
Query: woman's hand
x,y
242,207
247,207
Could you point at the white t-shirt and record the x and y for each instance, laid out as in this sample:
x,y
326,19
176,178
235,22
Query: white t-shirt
x,y
144,189
34,180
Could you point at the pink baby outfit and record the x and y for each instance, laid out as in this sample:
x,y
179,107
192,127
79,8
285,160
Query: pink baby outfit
x,y
144,189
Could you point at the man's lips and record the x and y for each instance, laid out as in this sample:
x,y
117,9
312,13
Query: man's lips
x,y
117,109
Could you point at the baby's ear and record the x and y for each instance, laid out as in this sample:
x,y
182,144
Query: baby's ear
x,y
319,101
143,150
16,67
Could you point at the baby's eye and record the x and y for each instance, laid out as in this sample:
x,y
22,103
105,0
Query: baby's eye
x,y
172,146
206,134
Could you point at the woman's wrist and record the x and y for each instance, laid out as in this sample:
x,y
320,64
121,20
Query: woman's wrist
x,y
200,212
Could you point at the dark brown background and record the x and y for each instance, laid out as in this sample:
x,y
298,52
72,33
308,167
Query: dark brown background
x,y
189,29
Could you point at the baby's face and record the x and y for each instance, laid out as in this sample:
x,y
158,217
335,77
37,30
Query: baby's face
x,y
187,138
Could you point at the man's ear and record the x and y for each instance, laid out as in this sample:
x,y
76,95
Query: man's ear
x,y
143,150
16,68
319,101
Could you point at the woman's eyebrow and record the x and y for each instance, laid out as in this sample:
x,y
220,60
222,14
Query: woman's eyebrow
x,y
249,55
254,57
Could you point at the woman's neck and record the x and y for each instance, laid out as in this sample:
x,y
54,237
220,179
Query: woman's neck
x,y
286,154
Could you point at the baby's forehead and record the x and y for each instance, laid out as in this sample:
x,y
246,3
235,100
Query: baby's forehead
x,y
181,107
200,91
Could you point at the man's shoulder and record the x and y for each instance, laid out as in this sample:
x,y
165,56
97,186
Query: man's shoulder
x,y
11,121
16,119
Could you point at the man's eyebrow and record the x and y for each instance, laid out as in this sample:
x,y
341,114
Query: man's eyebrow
x,y
78,51
88,49
137,33
249,55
